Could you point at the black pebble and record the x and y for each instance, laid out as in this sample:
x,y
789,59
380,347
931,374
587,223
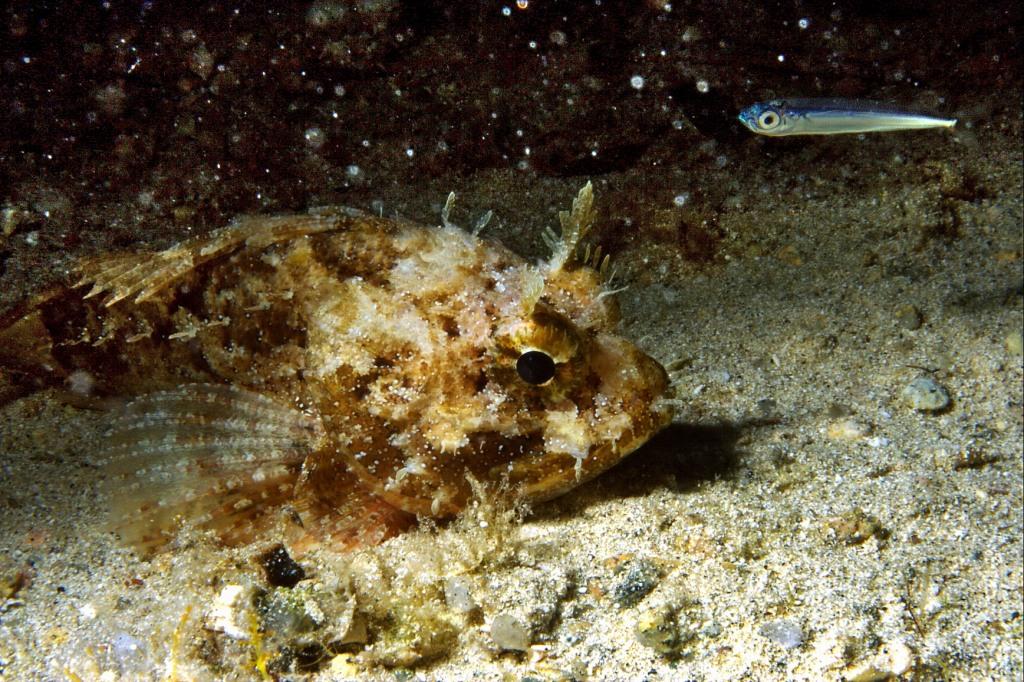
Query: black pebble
x,y
281,569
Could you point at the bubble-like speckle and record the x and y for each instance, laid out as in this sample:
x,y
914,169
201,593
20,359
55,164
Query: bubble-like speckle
x,y
315,137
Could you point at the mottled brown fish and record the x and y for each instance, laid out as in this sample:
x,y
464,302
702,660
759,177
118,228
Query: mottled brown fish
x,y
340,373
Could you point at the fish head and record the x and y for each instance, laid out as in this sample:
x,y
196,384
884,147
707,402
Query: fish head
x,y
490,368
587,396
766,118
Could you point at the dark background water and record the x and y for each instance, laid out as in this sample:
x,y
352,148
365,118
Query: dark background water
x,y
122,119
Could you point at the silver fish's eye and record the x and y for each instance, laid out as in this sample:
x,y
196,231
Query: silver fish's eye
x,y
768,119
535,367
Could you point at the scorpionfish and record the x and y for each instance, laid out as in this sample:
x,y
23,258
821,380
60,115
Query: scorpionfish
x,y
337,374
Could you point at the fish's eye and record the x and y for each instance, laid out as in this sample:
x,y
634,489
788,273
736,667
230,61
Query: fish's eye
x,y
768,119
535,367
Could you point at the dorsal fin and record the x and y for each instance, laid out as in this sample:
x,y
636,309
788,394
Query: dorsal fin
x,y
575,224
140,276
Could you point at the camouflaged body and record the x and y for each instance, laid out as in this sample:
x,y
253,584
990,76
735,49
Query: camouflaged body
x,y
348,368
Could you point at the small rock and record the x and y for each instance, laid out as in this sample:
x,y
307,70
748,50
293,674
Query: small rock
x,y
712,630
637,578
848,429
226,613
315,137
131,654
281,570
785,633
892,660
1015,343
767,406
909,317
344,666
856,527
81,382
509,634
12,218
200,62
289,613
926,395
656,629
722,376
458,595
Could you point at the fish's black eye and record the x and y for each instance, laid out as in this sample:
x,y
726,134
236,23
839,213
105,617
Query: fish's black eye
x,y
535,367
768,119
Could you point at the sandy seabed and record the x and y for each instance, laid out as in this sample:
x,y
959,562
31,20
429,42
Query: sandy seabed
x,y
800,520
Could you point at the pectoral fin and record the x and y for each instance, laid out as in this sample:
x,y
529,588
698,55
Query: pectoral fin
x,y
223,459
216,457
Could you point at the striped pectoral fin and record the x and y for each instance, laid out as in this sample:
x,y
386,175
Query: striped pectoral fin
x,y
338,512
213,457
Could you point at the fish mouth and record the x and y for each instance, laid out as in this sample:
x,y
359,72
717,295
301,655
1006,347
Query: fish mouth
x,y
555,474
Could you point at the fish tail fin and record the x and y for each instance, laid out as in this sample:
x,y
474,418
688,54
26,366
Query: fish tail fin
x,y
26,345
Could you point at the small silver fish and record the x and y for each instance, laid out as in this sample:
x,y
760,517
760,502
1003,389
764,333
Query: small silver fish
x,y
777,118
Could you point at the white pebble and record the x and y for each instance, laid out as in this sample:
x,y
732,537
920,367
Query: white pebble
x,y
457,594
81,382
785,633
509,634
848,429
925,395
